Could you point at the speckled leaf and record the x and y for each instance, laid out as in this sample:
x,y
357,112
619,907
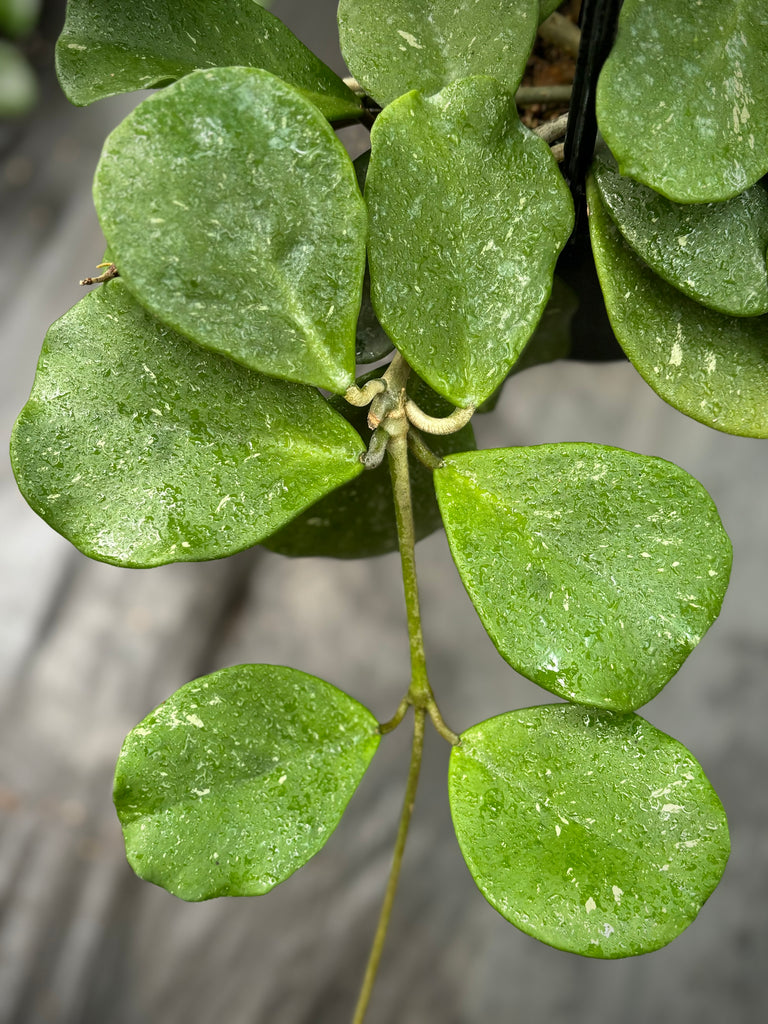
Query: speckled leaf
x,y
682,98
358,520
109,47
18,17
468,212
712,367
713,252
18,84
593,832
595,571
239,778
233,213
141,448
393,46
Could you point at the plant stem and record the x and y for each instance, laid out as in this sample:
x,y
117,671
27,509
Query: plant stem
x,y
394,874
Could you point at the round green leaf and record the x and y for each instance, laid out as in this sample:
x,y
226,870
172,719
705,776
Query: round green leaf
x,y
18,17
712,367
18,84
595,833
233,213
358,520
239,778
468,212
108,47
713,252
681,100
595,571
393,46
141,448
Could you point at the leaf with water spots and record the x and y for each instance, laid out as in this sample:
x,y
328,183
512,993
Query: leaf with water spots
x,y
233,213
239,778
593,832
681,99
712,367
393,46
595,571
715,253
108,47
142,448
468,212
358,520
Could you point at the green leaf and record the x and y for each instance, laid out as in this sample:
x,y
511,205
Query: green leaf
x,y
358,520
468,212
595,833
371,342
18,84
595,571
681,99
239,778
547,7
142,448
18,18
713,252
233,213
107,48
393,46
713,368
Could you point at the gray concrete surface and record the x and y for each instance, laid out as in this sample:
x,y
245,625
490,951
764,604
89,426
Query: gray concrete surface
x,y
88,650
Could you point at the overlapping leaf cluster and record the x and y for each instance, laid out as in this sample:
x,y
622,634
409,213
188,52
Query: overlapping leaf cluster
x,y
176,416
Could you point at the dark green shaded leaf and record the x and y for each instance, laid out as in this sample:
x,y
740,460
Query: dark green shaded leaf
x,y
18,84
681,99
109,47
372,342
393,46
713,252
468,212
18,18
595,833
358,520
141,448
712,367
595,571
239,778
233,213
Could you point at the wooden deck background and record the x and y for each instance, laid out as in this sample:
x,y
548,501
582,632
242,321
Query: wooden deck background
x,y
88,650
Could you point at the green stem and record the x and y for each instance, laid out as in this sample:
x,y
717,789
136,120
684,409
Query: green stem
x,y
394,874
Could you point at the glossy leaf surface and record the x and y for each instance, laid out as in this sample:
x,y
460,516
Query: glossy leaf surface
x,y
712,367
468,212
590,831
681,100
142,448
393,46
233,213
109,47
358,520
713,252
239,778
595,571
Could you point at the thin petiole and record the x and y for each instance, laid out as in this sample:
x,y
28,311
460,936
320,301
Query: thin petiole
x,y
396,719
422,451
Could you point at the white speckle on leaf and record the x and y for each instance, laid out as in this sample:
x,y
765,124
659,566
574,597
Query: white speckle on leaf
x,y
590,905
194,720
676,355
411,40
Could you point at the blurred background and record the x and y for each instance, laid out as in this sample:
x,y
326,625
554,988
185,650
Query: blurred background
x,y
88,650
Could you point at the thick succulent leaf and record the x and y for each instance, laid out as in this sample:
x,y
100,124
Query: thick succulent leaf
x,y
682,98
468,212
18,17
393,46
593,832
713,252
109,47
239,778
595,571
141,448
712,367
233,213
18,84
372,342
358,520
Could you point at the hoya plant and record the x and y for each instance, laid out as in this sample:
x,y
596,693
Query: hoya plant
x,y
211,394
